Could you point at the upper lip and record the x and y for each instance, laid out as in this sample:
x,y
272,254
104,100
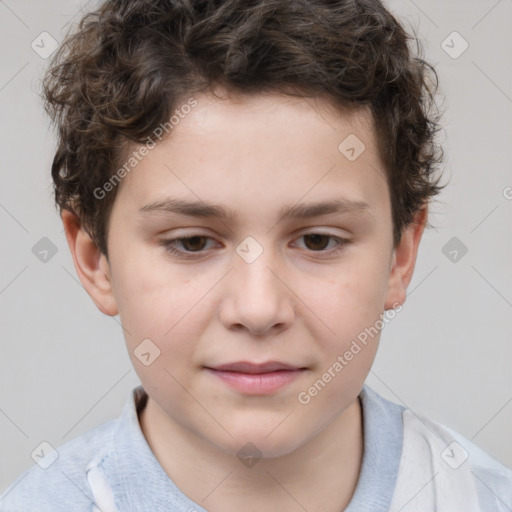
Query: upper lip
x,y
248,367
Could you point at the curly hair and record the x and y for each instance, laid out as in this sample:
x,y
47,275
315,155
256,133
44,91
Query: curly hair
x,y
125,68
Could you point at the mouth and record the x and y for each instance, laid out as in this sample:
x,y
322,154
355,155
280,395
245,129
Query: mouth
x,y
256,378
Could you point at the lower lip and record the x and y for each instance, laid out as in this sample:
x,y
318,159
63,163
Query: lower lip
x,y
257,383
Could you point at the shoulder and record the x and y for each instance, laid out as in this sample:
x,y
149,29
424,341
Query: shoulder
x,y
59,479
445,466
452,455
493,479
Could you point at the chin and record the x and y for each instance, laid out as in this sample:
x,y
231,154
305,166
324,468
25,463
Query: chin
x,y
262,440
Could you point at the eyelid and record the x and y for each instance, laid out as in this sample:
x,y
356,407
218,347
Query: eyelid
x,y
169,244
341,242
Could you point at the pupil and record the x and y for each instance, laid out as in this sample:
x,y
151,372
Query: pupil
x,y
186,242
317,238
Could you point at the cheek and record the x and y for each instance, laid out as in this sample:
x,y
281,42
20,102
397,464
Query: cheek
x,y
344,304
157,301
162,315
350,306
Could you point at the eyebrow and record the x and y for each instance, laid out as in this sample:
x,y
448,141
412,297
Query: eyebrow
x,y
208,210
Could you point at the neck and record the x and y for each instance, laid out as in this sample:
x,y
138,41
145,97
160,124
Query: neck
x,y
321,475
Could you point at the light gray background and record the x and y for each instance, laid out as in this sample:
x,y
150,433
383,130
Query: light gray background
x,y
64,367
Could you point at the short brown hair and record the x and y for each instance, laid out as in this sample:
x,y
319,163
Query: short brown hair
x,y
123,71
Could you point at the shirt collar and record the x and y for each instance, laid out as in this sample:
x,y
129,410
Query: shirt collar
x,y
138,481
383,437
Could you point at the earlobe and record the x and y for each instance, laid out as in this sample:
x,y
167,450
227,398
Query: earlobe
x,y
404,260
91,265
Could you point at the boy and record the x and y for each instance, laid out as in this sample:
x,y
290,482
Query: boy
x,y
259,129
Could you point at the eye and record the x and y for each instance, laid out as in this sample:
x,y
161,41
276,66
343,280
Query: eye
x,y
317,242
192,244
196,245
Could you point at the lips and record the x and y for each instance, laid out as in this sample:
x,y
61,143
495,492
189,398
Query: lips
x,y
256,378
248,367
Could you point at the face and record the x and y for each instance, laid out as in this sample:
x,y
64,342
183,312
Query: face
x,y
278,298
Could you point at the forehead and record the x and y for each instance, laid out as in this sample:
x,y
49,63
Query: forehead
x,y
249,152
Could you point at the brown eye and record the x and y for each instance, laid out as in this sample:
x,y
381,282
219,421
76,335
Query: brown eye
x,y
193,243
190,245
323,243
318,242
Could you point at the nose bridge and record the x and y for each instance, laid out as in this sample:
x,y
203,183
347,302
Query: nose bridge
x,y
258,278
258,298
255,268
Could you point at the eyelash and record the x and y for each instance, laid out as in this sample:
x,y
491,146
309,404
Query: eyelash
x,y
169,245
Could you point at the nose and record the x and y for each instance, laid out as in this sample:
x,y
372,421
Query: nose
x,y
257,297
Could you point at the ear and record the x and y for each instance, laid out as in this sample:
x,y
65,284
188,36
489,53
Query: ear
x,y
404,259
91,265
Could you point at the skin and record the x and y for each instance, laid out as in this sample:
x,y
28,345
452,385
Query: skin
x,y
299,302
